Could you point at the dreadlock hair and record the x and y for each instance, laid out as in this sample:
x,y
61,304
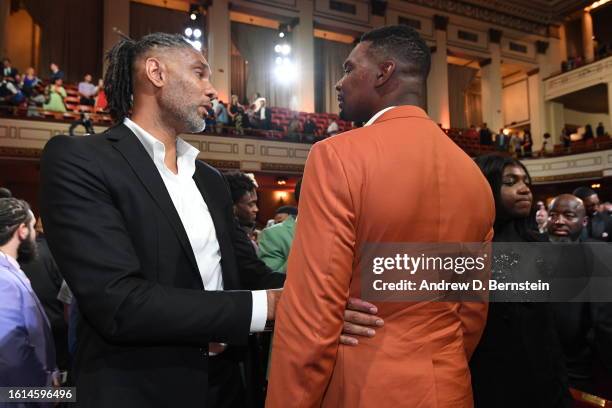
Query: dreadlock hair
x,y
118,80
13,213
403,43
239,184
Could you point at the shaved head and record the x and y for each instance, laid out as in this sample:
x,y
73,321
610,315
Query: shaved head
x,y
567,218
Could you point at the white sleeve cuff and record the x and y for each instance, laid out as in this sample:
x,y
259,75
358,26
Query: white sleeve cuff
x,y
260,311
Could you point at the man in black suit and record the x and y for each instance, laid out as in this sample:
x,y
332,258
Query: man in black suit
x,y
8,72
599,226
584,328
145,237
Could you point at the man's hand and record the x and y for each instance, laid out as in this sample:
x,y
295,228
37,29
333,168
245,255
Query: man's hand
x,y
273,298
359,320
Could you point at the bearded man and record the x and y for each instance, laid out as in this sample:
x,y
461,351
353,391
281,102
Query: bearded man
x,y
27,353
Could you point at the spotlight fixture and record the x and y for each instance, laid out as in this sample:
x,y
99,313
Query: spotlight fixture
x,y
193,16
281,181
281,34
188,31
197,33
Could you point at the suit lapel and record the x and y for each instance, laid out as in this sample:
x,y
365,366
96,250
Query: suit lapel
x,y
141,163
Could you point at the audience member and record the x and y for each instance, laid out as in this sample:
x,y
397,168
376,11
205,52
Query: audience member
x,y
527,143
55,96
293,130
521,334
502,141
46,281
275,241
27,353
10,92
541,218
485,135
101,101
333,128
237,115
263,116
599,226
472,133
56,73
584,328
600,131
8,72
29,81
244,196
87,91
566,138
515,145
588,133
545,145
310,128
210,120
221,115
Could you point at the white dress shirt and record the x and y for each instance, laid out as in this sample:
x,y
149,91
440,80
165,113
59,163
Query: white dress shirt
x,y
377,115
195,216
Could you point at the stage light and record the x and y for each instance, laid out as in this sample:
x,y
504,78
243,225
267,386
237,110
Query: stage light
x,y
193,16
197,45
285,72
281,34
277,48
188,32
197,33
279,60
286,49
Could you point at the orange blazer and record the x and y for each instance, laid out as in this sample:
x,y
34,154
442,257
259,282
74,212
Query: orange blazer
x,y
400,179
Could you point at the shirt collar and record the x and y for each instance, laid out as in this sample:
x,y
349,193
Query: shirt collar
x,y
378,115
186,154
12,261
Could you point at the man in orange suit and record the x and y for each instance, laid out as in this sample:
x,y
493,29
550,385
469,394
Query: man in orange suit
x,y
397,179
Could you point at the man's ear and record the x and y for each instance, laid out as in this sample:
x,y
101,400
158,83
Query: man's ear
x,y
22,231
385,71
155,70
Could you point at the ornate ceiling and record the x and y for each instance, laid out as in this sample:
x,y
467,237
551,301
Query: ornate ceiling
x,y
526,15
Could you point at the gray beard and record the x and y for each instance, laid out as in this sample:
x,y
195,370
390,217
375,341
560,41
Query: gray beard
x,y
564,240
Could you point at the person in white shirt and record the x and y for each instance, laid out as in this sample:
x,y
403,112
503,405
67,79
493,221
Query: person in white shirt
x,y
333,128
145,238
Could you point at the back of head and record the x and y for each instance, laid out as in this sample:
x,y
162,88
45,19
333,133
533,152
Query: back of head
x,y
583,192
239,184
403,44
13,212
119,77
5,193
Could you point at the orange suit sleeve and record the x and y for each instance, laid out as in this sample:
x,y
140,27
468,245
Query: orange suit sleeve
x,y
309,317
473,317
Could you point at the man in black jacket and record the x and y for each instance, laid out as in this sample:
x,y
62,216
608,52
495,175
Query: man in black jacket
x,y
145,237
584,328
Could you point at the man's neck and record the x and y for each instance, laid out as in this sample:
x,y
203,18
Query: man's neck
x,y
10,250
152,123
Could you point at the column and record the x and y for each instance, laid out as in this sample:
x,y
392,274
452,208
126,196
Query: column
x,y
303,44
116,17
492,84
537,111
587,36
220,48
556,120
437,82
609,125
5,8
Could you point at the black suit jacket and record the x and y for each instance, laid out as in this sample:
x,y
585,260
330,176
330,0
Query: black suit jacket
x,y
118,240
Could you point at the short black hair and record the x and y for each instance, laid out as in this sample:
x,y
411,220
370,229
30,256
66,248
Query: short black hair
x,y
13,212
402,42
5,192
119,81
239,184
287,209
583,192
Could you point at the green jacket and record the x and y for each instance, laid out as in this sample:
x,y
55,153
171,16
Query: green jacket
x,y
274,244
